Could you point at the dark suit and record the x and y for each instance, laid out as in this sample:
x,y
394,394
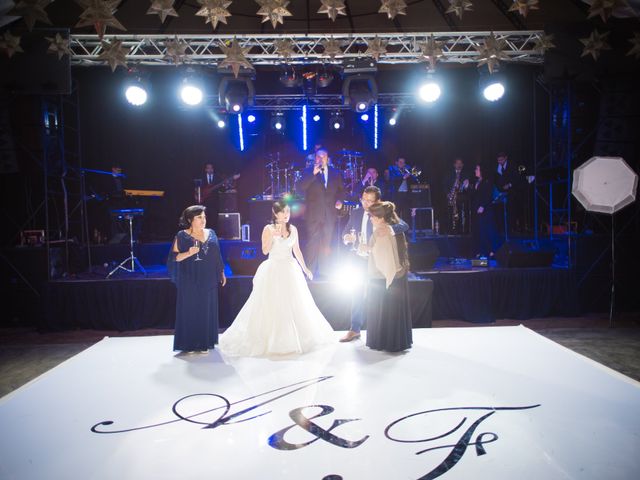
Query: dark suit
x,y
460,225
209,198
511,176
401,199
358,294
320,215
483,226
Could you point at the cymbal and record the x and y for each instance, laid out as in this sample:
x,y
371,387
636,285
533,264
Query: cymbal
x,y
351,153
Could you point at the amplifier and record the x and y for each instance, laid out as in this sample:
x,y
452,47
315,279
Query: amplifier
x,y
420,196
229,226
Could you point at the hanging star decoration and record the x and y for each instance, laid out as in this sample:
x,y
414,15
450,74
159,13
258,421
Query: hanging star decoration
x,y
31,11
544,43
431,51
10,44
235,57
523,6
99,14
273,11
331,48
162,8
635,41
491,52
393,8
459,6
333,8
114,54
176,51
214,11
376,48
594,44
59,45
284,47
605,8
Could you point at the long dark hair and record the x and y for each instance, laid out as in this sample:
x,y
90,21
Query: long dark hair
x,y
387,211
276,208
187,215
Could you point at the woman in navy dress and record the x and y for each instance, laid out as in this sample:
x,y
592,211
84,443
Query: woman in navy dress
x,y
195,266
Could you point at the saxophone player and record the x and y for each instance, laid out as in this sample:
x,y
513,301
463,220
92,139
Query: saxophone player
x,y
456,186
400,181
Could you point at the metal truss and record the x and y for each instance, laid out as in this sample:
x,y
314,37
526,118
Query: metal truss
x,y
458,47
322,101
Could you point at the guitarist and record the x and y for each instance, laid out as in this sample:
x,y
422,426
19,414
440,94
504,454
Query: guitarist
x,y
207,189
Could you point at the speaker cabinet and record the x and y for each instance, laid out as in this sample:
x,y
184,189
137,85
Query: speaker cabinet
x,y
229,226
514,254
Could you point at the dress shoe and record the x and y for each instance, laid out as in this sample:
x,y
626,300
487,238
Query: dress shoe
x,y
351,335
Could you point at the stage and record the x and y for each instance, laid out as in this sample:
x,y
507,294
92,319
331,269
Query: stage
x,y
496,403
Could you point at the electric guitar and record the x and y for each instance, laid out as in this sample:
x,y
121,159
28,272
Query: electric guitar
x,y
203,193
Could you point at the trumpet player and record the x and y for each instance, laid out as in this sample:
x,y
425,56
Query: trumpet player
x,y
373,179
456,186
400,180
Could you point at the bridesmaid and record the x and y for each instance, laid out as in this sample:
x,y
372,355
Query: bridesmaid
x,y
195,266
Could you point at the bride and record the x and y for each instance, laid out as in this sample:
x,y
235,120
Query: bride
x,y
280,316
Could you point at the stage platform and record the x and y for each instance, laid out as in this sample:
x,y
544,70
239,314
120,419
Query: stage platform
x,y
499,403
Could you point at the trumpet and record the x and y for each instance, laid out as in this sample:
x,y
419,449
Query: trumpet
x,y
415,172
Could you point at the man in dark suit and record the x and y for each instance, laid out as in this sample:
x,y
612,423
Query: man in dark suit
x,y
508,182
359,229
206,194
372,179
324,190
400,181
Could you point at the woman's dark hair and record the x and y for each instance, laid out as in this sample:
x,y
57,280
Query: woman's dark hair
x,y
187,216
387,211
276,208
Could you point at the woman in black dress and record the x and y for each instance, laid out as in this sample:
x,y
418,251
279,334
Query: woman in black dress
x,y
387,312
483,226
195,266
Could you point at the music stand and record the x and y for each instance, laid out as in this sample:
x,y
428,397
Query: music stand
x,y
129,213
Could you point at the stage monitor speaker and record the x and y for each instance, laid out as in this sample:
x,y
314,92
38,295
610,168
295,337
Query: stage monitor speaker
x,y
513,254
229,226
228,202
420,196
35,71
423,255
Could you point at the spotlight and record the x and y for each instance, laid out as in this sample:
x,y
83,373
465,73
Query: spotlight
x,y
491,85
316,118
493,91
430,90
236,93
364,117
393,121
360,91
278,123
289,77
222,123
136,95
336,121
325,77
251,118
191,91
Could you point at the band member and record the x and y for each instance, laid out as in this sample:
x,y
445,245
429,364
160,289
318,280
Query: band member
x,y
359,230
400,181
510,184
482,218
206,194
311,158
456,185
372,179
324,192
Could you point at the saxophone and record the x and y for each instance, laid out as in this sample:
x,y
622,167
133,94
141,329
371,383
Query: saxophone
x,y
452,199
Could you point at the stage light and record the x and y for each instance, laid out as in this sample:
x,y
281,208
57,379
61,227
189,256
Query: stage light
x,y
236,93
136,95
359,91
336,122
278,123
222,123
492,85
316,118
364,117
289,77
393,121
493,91
325,77
430,90
136,87
251,118
347,278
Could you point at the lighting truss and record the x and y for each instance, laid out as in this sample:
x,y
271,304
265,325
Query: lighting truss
x,y
457,47
320,101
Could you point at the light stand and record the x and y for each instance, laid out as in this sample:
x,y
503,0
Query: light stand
x,y
131,258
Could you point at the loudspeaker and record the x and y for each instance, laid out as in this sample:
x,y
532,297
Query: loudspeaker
x,y
518,254
229,226
228,202
420,196
423,255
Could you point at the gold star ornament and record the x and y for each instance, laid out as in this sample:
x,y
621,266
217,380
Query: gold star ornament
x,y
235,57
215,11
544,43
459,6
635,41
491,52
162,8
605,8
99,14
114,54
284,47
59,45
333,8
523,6
431,51
176,51
331,48
10,44
393,8
594,44
376,48
32,11
273,11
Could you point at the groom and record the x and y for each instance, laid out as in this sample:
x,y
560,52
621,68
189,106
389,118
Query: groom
x,y
360,222
324,190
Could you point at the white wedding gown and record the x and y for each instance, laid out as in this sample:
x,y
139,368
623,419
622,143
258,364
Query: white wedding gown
x,y
280,316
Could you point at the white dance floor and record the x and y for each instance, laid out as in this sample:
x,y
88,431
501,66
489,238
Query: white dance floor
x,y
499,403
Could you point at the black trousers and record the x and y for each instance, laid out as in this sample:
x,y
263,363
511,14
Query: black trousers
x,y
319,245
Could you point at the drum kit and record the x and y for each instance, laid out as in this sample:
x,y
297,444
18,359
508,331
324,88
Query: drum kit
x,y
283,176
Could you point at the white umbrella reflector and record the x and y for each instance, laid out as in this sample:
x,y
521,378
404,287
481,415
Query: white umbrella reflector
x,y
604,184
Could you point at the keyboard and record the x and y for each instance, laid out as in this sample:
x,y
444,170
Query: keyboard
x,y
143,193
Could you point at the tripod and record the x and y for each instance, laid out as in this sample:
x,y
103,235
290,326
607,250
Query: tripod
x,y
131,258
